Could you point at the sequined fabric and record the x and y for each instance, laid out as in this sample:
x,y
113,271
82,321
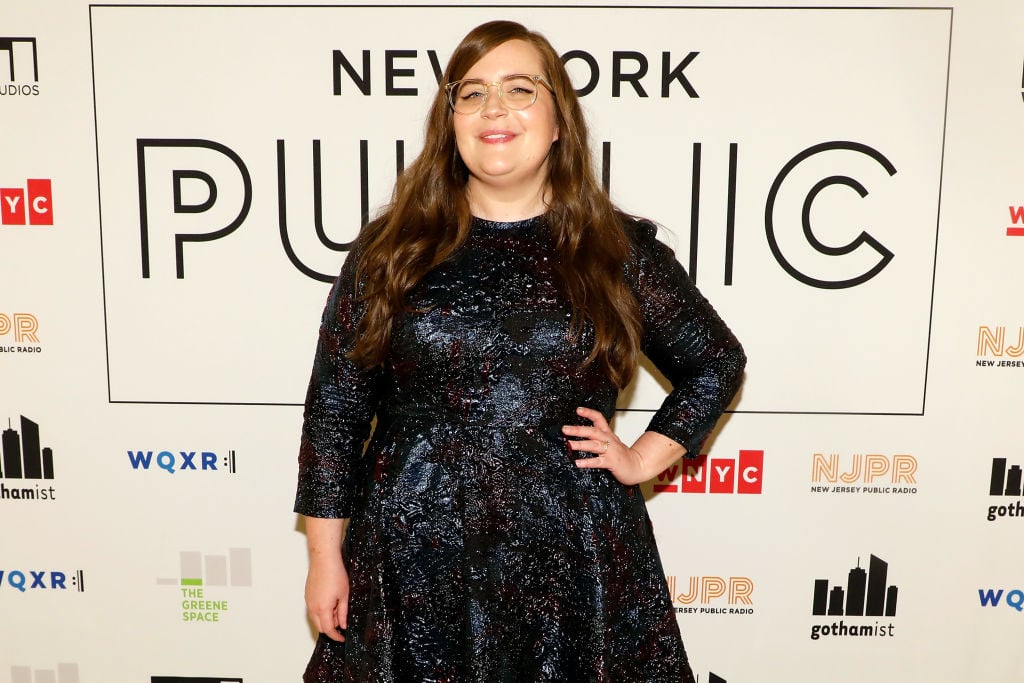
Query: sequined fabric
x,y
477,551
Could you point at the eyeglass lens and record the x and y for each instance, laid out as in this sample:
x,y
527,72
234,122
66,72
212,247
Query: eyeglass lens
x,y
517,92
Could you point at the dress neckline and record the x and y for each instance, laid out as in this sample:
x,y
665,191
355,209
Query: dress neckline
x,y
487,224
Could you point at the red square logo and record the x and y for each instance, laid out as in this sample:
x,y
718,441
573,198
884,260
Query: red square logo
x,y
40,202
722,474
749,474
695,478
12,206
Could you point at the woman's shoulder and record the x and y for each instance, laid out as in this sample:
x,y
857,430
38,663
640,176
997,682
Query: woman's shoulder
x,y
642,236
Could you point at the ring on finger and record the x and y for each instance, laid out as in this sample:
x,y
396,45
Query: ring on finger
x,y
606,444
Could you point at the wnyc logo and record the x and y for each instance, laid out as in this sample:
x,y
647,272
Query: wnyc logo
x,y
193,679
29,205
1016,227
714,475
873,473
183,461
66,672
46,580
1005,483
867,594
711,594
26,468
206,580
1000,346
23,329
21,77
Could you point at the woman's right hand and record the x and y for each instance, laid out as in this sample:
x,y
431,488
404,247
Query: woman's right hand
x,y
327,595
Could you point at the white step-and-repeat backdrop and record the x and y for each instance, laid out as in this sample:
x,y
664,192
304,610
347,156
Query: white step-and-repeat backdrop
x,y
179,183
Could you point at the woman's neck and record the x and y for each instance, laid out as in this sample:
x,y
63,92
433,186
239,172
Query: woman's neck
x,y
496,204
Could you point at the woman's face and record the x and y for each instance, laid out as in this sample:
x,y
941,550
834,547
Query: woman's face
x,y
506,149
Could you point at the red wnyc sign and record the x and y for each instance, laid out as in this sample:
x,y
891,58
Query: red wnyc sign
x,y
32,205
714,475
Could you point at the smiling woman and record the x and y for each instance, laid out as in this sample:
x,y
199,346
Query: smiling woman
x,y
487,320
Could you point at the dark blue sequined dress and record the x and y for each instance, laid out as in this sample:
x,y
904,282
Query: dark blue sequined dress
x,y
477,551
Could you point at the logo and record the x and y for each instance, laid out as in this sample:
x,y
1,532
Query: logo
x,y
991,597
1007,483
183,461
872,474
24,329
23,460
1016,227
64,673
206,579
24,580
866,595
193,679
711,594
19,66
714,475
31,205
999,346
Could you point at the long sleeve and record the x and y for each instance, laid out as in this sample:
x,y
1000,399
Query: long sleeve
x,y
686,340
340,405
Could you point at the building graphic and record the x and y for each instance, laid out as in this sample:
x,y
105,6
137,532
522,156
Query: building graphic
x,y
198,570
64,673
866,593
712,678
18,59
22,456
1005,482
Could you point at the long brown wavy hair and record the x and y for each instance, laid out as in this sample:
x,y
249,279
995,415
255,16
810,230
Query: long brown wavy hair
x,y
429,217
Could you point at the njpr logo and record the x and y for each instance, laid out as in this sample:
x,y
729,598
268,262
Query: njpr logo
x,y
202,572
1005,482
872,473
31,205
24,328
994,351
21,77
183,461
193,679
46,580
24,461
712,594
866,595
714,475
64,673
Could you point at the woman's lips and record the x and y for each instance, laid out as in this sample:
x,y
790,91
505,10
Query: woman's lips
x,y
497,137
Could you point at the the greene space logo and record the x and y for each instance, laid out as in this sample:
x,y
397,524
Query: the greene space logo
x,y
705,474
867,595
205,581
66,672
871,473
711,594
26,467
1005,482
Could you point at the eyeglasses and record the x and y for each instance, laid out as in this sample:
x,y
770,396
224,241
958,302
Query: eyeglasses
x,y
516,92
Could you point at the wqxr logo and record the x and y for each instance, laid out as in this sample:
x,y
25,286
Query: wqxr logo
x,y
991,597
183,461
32,580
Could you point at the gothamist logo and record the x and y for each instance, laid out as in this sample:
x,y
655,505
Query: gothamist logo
x,y
711,595
214,573
1005,482
183,461
866,595
26,470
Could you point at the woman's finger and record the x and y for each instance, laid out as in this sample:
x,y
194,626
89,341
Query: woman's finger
x,y
598,446
595,416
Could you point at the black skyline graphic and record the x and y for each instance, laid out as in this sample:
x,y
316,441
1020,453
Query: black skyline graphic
x,y
866,593
1004,482
22,456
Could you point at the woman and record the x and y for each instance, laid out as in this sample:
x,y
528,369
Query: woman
x,y
487,321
